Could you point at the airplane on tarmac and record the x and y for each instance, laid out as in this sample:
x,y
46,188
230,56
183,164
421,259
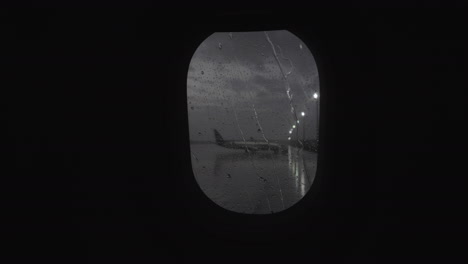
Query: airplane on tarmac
x,y
248,145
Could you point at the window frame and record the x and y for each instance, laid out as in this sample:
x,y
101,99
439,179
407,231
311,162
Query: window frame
x,y
313,188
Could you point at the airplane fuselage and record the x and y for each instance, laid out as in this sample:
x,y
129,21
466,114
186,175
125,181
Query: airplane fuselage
x,y
251,146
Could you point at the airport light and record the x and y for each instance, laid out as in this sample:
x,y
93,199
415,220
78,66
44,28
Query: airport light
x,y
290,131
298,121
289,138
317,111
294,126
303,114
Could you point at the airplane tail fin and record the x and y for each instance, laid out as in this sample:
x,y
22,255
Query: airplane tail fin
x,y
218,137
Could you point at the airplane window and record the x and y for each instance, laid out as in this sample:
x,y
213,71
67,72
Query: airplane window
x,y
253,105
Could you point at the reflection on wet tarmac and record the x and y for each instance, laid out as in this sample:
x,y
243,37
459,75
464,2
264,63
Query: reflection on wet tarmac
x,y
253,182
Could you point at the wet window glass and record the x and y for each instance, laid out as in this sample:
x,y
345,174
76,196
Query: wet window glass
x,y
253,105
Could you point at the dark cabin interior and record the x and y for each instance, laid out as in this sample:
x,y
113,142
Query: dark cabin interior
x,y
98,157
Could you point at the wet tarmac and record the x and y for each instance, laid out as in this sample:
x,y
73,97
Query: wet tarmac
x,y
259,182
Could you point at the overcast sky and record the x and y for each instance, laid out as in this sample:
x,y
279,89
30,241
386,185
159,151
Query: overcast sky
x,y
237,74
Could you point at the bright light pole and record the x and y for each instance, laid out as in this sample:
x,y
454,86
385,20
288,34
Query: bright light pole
x,y
316,96
303,127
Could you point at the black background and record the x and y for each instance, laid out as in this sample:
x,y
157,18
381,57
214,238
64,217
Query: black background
x,y
98,164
